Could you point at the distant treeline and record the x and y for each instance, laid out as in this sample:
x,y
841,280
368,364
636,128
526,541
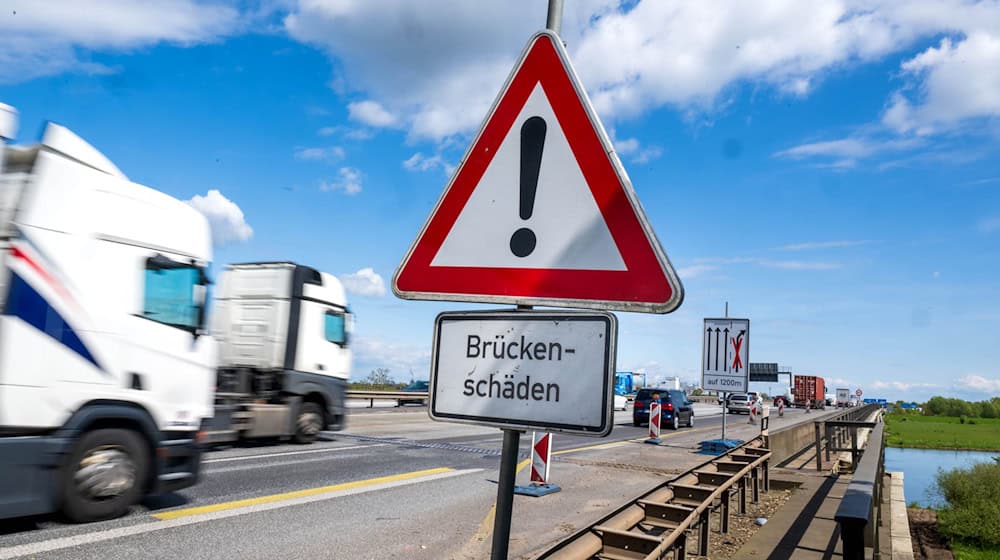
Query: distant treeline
x,y
366,386
944,406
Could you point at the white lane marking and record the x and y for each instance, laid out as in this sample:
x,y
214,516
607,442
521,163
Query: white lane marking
x,y
42,547
286,453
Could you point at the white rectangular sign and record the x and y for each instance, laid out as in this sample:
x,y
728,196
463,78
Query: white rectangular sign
x,y
531,370
725,359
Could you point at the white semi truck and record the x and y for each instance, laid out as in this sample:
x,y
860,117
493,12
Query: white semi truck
x,y
110,378
283,332
106,368
843,397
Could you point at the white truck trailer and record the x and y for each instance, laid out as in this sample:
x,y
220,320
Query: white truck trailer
x,y
283,332
106,365
843,397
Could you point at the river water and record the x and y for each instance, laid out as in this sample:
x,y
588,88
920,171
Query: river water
x,y
922,465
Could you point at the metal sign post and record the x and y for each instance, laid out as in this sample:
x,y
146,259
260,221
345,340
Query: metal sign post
x,y
725,412
512,438
505,494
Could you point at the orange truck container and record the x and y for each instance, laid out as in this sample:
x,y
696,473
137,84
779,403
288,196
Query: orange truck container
x,y
809,388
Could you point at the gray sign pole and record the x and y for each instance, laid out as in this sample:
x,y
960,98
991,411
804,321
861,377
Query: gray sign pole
x,y
512,438
554,21
505,494
725,396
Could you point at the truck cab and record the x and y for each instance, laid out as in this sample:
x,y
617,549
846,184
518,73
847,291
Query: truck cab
x,y
106,367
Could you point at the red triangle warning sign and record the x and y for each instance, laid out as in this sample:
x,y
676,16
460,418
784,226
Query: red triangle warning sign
x,y
540,211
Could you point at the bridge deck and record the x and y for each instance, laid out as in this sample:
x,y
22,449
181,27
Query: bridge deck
x,y
804,528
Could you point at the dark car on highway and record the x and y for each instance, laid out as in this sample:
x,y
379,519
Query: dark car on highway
x,y
415,387
675,408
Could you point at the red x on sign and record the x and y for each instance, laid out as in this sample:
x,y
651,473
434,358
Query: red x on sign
x,y
737,360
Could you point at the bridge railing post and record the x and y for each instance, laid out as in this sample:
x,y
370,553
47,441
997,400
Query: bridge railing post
x,y
819,446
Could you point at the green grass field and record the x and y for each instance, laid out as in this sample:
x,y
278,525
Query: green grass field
x,y
964,551
942,432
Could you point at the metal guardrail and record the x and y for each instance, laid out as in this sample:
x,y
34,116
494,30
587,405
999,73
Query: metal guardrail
x,y
833,433
372,396
657,523
860,511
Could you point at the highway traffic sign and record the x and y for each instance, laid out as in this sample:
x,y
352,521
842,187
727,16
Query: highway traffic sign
x,y
858,392
725,355
765,373
540,211
525,370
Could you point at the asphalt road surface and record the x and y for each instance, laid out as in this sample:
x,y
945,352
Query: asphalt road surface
x,y
394,484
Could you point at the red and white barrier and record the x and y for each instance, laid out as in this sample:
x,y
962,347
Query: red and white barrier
x,y
781,407
654,422
541,453
753,413
541,460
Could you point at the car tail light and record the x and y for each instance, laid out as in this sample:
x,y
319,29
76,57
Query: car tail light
x,y
640,404
669,406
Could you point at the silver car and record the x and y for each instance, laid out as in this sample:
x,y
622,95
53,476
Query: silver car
x,y
740,403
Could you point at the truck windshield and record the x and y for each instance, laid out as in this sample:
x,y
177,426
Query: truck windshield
x,y
175,293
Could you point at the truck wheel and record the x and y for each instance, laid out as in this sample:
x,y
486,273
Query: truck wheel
x,y
104,476
309,423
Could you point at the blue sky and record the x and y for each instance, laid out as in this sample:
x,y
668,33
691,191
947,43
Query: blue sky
x,y
830,169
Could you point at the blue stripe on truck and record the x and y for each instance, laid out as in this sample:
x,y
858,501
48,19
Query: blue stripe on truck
x,y
26,303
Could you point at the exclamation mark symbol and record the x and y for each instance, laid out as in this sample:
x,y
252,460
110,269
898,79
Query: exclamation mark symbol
x,y
523,242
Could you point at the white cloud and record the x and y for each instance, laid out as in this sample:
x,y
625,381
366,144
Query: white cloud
x,y
420,162
949,84
225,217
773,263
695,270
400,359
54,36
630,147
901,385
847,148
822,245
845,153
840,382
990,225
365,282
371,113
347,132
331,154
799,265
980,384
440,72
348,181
438,76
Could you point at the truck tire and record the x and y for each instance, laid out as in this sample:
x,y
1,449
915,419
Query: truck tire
x,y
309,423
104,476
